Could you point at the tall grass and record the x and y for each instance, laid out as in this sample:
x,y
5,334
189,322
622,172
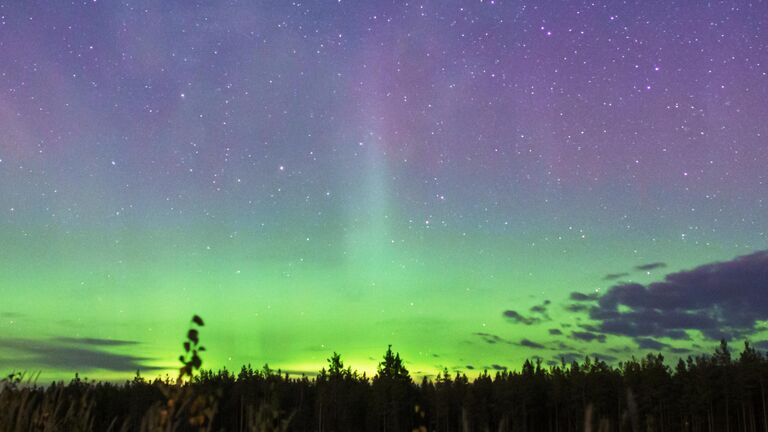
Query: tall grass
x,y
183,405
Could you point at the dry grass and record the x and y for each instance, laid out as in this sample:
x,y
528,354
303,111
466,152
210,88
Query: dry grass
x,y
25,406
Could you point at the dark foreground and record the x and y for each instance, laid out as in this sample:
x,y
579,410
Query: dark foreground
x,y
719,392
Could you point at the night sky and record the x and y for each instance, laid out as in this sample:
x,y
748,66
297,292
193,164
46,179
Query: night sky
x,y
474,182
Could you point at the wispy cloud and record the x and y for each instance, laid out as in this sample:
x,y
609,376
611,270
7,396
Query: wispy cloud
x,y
73,354
650,266
518,318
95,341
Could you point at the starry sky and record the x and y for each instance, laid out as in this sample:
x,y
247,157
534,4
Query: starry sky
x,y
474,182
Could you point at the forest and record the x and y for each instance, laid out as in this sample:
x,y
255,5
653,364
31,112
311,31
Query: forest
x,y
722,391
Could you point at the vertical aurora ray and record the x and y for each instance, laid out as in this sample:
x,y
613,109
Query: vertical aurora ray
x,y
368,242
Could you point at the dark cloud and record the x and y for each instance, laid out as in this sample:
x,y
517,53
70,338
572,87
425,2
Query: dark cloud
x,y
588,336
721,300
641,267
96,341
678,335
650,344
650,266
515,317
541,310
531,344
614,276
562,346
576,308
470,367
492,339
577,296
623,350
589,328
555,332
56,354
761,345
653,344
498,367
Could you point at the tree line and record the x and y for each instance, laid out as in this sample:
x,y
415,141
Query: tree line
x,y
718,392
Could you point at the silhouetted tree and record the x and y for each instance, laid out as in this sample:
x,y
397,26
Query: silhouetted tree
x,y
393,394
704,393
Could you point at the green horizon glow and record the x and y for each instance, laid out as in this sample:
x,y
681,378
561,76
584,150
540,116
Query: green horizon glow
x,y
294,314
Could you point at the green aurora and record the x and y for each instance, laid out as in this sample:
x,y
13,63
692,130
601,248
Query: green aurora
x,y
341,176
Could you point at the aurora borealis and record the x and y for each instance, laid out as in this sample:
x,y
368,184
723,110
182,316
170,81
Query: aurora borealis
x,y
341,175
